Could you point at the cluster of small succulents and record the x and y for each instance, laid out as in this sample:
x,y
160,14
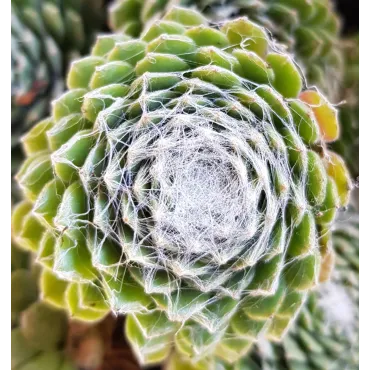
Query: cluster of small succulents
x,y
187,178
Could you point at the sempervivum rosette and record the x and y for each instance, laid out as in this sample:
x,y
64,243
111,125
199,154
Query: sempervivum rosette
x,y
45,34
184,180
308,28
36,68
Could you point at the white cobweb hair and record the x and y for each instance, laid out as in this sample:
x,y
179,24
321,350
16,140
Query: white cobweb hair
x,y
203,199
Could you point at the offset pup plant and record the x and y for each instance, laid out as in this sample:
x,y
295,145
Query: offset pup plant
x,y
184,180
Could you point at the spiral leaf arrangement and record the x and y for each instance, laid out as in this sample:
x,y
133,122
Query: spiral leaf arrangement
x,y
184,180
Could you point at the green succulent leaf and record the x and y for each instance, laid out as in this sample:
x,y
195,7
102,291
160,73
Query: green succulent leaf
x,y
183,180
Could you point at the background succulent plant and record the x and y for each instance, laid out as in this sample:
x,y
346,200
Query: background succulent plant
x,y
36,71
309,29
45,35
184,180
348,145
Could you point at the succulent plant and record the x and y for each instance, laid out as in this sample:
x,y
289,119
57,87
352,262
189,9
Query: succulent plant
x,y
36,72
38,330
309,29
45,36
184,180
348,145
325,335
